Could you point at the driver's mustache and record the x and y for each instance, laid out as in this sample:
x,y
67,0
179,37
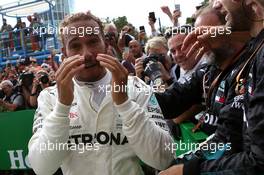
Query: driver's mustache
x,y
89,60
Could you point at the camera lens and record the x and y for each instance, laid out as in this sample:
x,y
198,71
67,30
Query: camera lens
x,y
152,68
2,94
44,79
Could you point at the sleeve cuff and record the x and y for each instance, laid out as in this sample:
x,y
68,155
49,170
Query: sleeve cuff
x,y
124,107
61,110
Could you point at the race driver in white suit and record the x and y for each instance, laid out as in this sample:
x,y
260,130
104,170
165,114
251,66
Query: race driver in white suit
x,y
83,126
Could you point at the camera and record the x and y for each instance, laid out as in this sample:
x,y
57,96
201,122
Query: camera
x,y
141,29
26,78
110,35
2,94
44,78
177,7
152,68
152,16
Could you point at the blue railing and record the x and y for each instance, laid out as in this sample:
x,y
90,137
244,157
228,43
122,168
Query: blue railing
x,y
26,42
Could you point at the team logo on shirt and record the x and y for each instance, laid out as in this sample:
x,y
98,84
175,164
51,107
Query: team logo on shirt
x,y
73,115
210,119
220,98
102,137
241,87
153,100
250,86
156,113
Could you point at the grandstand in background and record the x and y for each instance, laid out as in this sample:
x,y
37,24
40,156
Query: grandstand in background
x,y
18,45
61,9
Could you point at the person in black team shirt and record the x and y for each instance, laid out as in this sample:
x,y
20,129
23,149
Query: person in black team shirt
x,y
248,97
179,97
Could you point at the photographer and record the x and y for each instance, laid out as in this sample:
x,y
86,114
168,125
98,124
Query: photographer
x,y
155,68
12,100
25,85
111,37
40,82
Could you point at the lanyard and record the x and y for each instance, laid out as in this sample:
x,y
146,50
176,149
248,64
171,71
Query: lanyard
x,y
225,68
240,81
207,94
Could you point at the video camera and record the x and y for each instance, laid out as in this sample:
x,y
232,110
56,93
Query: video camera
x,y
44,78
152,68
26,78
2,94
110,35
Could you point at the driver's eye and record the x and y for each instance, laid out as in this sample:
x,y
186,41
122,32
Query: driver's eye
x,y
75,46
93,41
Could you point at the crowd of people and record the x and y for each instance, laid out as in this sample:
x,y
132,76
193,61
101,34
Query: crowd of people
x,y
13,38
209,72
21,84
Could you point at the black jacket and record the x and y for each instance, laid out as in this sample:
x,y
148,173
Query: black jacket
x,y
230,111
248,159
180,97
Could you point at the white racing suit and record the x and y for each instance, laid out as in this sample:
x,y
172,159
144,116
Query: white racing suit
x,y
108,141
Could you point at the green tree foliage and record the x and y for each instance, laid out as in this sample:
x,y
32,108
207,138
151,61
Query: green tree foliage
x,y
205,2
120,22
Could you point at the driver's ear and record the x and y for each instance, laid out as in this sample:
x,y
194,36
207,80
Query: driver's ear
x,y
256,7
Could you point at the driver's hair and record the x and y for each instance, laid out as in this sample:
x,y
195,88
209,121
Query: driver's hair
x,y
79,17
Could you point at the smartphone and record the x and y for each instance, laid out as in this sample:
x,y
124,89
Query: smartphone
x,y
126,49
177,7
152,16
141,29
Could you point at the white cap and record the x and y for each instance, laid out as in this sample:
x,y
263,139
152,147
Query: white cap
x,y
45,65
6,82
